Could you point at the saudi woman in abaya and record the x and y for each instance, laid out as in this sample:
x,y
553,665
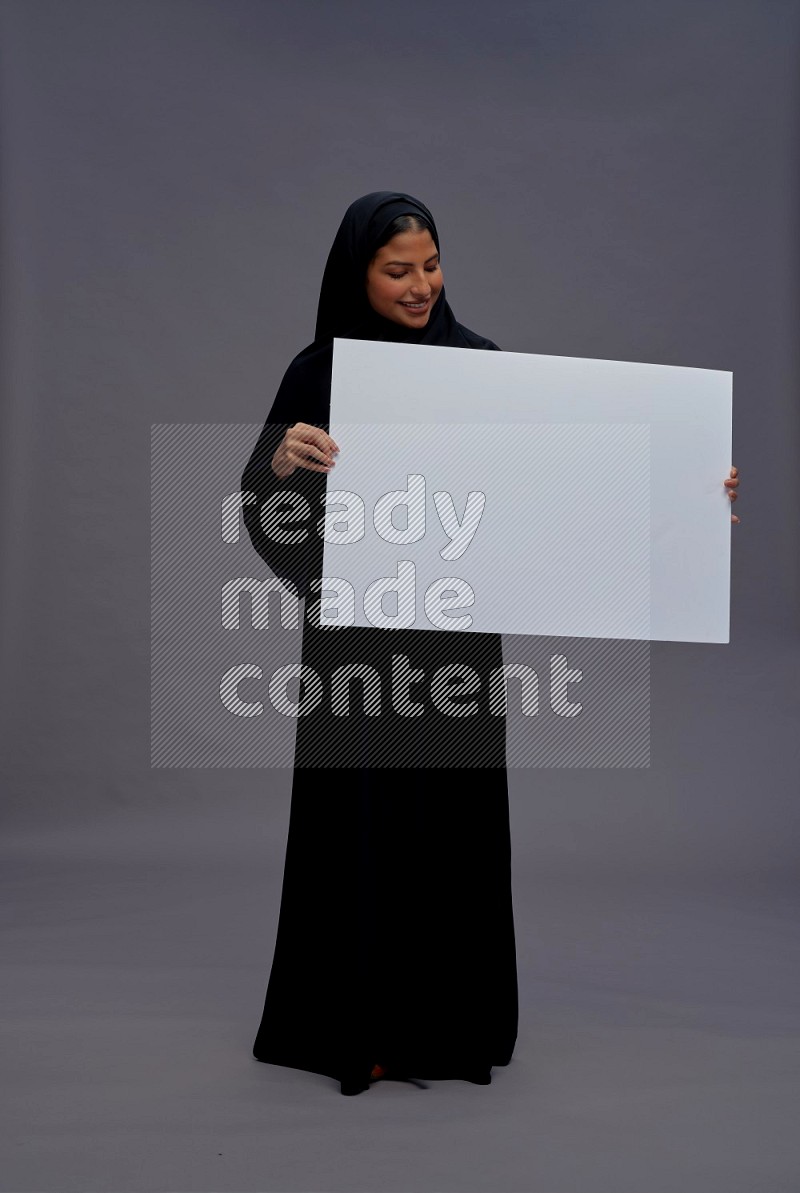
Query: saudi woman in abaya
x,y
395,953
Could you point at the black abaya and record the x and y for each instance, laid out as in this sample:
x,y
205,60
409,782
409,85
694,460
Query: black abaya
x,y
395,941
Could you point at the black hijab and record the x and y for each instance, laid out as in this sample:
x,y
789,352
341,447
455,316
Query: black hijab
x,y
344,309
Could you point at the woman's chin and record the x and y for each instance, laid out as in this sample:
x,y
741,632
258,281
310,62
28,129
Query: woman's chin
x,y
414,320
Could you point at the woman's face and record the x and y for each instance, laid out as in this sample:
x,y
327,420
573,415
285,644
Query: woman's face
x,y
404,278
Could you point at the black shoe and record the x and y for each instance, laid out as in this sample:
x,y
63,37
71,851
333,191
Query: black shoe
x,y
394,1075
352,1085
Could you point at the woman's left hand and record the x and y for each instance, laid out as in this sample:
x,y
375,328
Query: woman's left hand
x,y
731,485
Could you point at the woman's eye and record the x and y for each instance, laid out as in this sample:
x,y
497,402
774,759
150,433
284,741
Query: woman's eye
x,y
428,269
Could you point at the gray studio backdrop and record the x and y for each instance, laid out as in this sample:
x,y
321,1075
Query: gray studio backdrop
x,y
609,179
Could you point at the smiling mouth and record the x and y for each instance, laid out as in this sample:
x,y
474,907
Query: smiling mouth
x,y
415,306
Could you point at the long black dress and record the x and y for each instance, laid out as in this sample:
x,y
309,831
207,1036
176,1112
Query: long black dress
x,y
395,940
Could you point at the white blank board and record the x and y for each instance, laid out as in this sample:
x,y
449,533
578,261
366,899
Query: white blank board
x,y
597,510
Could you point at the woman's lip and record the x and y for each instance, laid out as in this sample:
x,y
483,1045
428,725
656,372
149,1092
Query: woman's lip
x,y
416,310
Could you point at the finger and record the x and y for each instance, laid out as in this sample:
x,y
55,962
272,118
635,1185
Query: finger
x,y
734,471
313,435
312,467
734,518
318,436
303,452
327,446
316,457
731,484
309,447
732,495
317,454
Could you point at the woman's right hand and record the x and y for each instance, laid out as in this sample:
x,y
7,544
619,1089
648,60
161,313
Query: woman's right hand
x,y
304,446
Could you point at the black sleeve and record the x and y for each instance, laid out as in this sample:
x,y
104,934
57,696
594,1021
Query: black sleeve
x,y
302,492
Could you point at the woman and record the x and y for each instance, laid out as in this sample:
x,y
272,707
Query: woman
x,y
395,951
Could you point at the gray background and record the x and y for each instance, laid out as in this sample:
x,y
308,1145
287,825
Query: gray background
x,y
610,179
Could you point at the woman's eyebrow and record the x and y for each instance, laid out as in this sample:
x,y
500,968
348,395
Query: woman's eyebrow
x,y
410,262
